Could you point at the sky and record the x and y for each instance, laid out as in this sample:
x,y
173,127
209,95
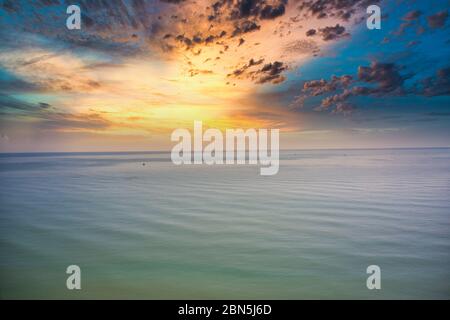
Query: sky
x,y
139,69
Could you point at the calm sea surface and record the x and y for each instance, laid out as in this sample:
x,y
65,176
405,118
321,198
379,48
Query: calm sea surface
x,y
174,232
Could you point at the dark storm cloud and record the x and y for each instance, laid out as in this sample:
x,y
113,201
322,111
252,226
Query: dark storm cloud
x,y
438,20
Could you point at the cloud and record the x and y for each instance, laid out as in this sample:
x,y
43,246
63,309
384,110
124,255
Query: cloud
x,y
331,8
194,72
410,19
302,47
438,20
181,31
252,62
344,108
332,33
311,32
255,8
11,6
319,87
385,75
43,71
47,117
9,104
173,1
271,12
244,27
412,15
385,79
18,85
156,45
69,122
103,44
271,72
436,85
342,97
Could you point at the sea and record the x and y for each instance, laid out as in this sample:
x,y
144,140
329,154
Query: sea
x,y
140,227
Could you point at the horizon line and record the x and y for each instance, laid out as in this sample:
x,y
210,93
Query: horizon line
x,y
168,151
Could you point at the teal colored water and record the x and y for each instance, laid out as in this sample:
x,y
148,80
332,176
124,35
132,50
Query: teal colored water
x,y
175,232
